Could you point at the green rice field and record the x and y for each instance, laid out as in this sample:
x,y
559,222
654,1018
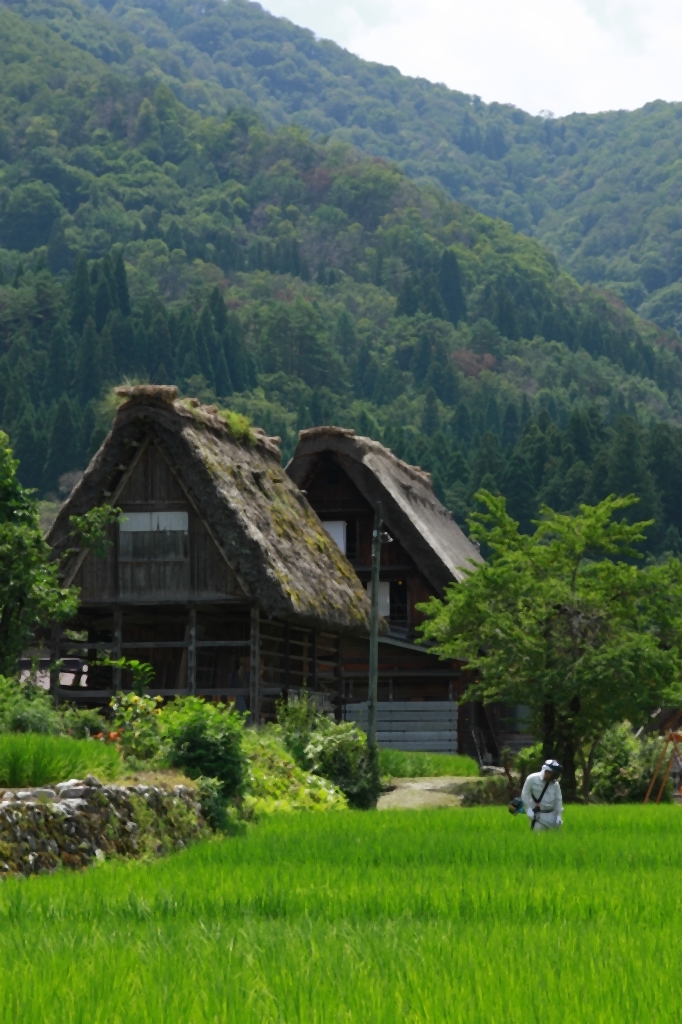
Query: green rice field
x,y
376,918
409,764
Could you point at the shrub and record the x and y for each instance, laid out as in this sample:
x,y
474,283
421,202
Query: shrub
x,y
25,707
137,722
205,739
624,766
528,760
340,753
31,759
81,723
336,752
274,781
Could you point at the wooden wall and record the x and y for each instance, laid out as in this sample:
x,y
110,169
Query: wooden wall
x,y
203,575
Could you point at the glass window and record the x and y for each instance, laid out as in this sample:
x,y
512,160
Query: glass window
x,y
336,528
153,536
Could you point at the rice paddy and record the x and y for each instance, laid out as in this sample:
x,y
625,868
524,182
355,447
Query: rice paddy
x,y
433,916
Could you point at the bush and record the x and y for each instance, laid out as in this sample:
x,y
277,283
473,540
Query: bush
x,y
336,752
528,760
205,739
25,707
137,722
624,766
81,723
275,782
31,759
413,764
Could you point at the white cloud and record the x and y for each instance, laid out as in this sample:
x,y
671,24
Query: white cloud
x,y
559,55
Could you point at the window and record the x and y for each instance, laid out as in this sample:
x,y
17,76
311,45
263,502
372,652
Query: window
x,y
384,597
153,536
336,528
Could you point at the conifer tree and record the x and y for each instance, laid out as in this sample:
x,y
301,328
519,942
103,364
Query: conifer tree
x,y
206,344
187,357
87,426
81,304
87,369
121,279
450,284
58,377
122,342
62,452
58,252
105,357
517,486
160,348
216,304
103,303
174,239
430,418
239,364
29,448
510,427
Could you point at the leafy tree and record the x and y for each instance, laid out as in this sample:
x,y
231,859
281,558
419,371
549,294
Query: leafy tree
x,y
30,595
562,622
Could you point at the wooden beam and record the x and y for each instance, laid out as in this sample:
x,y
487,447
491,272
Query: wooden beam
x,y
116,648
254,667
192,652
55,638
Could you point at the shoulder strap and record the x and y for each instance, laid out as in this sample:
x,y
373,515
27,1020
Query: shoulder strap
x,y
539,800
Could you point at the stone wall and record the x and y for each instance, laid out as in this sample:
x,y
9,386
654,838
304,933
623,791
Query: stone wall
x,y
81,821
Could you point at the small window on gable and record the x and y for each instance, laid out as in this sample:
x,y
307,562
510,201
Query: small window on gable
x,y
336,528
153,537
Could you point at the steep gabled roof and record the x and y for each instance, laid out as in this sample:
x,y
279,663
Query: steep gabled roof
x,y
411,511
261,522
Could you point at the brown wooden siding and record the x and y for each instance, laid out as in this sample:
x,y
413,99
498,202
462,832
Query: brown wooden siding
x,y
204,575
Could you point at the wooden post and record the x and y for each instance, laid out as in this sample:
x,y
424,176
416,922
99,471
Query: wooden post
x,y
116,647
192,652
287,659
254,667
374,634
314,656
55,638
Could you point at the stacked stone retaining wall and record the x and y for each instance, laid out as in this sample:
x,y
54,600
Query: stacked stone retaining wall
x,y
80,821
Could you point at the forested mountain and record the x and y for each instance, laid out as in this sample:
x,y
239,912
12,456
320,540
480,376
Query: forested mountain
x,y
601,190
147,235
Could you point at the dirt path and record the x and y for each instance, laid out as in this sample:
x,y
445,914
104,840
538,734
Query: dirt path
x,y
417,794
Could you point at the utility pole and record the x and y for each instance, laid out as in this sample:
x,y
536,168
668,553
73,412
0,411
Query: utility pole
x,y
374,636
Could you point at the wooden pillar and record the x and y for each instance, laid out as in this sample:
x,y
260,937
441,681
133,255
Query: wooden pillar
x,y
192,652
340,708
314,657
116,646
287,659
55,639
254,667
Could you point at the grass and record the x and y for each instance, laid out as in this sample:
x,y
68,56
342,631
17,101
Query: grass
x,y
33,759
413,764
432,917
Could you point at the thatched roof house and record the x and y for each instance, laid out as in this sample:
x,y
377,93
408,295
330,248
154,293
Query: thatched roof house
x,y
411,511
213,533
262,526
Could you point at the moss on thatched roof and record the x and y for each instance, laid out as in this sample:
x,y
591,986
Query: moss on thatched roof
x,y
231,472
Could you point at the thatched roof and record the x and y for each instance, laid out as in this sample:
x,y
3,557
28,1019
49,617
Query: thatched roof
x,y
411,511
261,522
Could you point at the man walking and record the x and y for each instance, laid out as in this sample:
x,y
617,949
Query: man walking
x,y
542,797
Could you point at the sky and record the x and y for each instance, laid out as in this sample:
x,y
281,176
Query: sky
x,y
556,56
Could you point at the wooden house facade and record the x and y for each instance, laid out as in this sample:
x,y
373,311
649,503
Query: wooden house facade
x,y
218,572
344,476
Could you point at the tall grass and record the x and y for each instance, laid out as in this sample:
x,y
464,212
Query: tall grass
x,y
432,917
34,759
411,764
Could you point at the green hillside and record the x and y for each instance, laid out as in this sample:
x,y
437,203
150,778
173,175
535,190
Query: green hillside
x,y
147,236
601,190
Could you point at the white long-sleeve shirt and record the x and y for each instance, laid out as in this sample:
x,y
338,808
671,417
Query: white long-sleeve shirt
x,y
551,807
